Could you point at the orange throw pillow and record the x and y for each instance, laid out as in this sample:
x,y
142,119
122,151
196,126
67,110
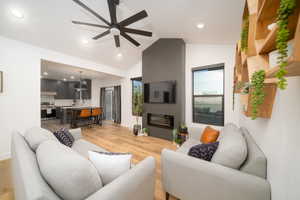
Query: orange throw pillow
x,y
209,135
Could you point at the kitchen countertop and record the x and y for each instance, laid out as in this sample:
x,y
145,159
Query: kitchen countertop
x,y
78,107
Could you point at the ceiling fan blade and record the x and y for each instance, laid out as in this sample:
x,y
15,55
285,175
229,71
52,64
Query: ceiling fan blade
x,y
91,11
130,39
112,11
117,40
134,18
138,32
101,35
89,24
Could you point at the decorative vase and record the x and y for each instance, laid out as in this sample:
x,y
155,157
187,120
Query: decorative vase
x,y
136,129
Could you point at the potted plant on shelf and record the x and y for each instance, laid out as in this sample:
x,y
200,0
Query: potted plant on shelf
x,y
175,135
183,129
145,131
137,111
245,88
183,133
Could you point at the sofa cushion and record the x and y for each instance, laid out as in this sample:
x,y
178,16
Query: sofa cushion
x,y
232,150
209,135
110,165
256,162
65,137
36,135
70,175
186,146
82,147
204,151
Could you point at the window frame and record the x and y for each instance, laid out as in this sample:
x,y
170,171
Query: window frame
x,y
208,67
132,94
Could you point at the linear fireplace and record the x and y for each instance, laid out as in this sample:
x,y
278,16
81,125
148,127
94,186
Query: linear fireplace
x,y
159,120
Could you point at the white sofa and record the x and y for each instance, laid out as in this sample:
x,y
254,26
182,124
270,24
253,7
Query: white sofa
x,y
29,184
189,178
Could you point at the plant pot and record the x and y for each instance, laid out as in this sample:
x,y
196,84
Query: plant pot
x,y
183,130
136,129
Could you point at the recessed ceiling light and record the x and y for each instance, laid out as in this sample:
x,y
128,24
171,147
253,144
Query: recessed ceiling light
x,y
200,25
65,79
17,13
45,73
85,41
119,55
72,77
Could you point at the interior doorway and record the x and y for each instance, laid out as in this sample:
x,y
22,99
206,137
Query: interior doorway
x,y
108,104
110,101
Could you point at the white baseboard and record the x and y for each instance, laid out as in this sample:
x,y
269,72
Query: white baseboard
x,y
5,156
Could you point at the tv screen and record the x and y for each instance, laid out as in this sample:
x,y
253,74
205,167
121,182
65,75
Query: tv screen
x,y
160,92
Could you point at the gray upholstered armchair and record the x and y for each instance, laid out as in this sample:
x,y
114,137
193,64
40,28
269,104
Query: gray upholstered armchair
x,y
189,178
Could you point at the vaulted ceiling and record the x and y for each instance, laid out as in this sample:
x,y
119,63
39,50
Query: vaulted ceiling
x,y
47,24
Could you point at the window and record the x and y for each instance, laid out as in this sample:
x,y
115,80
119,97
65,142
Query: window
x,y
208,95
137,96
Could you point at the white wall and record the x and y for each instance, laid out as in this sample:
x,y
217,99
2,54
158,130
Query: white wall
x,y
127,119
202,55
279,139
20,102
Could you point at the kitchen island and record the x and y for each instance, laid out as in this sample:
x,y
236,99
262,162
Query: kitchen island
x,y
68,113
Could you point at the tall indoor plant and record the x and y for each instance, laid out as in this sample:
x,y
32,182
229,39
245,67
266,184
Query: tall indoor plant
x,y
137,110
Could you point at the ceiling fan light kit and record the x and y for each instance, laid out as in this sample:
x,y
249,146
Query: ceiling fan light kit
x,y
114,27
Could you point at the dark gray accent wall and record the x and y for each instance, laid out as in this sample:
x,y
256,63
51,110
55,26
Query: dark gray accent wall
x,y
165,61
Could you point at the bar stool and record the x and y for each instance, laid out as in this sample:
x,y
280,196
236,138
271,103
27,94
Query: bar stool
x,y
85,115
96,115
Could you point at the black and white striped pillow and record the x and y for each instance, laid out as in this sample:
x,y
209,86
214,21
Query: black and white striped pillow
x,y
64,136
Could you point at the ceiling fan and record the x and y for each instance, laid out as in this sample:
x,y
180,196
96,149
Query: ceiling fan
x,y
115,27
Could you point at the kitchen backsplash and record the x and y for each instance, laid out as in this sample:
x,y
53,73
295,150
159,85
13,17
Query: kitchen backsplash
x,y
48,99
63,102
68,102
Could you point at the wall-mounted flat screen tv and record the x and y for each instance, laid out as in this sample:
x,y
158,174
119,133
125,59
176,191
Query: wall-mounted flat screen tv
x,y
160,92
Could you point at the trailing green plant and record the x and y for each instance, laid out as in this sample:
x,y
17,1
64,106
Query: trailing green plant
x,y
137,105
286,8
244,35
257,91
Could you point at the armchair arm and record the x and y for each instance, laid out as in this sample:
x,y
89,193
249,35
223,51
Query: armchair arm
x,y
190,178
76,133
136,184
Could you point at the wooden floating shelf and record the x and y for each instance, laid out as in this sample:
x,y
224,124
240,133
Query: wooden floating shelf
x,y
261,42
269,44
268,9
256,63
265,109
293,69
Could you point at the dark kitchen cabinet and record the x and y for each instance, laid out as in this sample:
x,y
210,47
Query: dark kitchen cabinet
x,y
87,94
48,85
61,90
67,90
72,91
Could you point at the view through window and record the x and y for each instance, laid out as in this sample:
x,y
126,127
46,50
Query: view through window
x,y
208,95
137,96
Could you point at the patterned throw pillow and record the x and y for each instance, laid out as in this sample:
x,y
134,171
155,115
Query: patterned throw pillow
x,y
204,151
64,136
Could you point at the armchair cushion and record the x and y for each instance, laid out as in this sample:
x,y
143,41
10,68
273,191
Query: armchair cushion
x,y
232,150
